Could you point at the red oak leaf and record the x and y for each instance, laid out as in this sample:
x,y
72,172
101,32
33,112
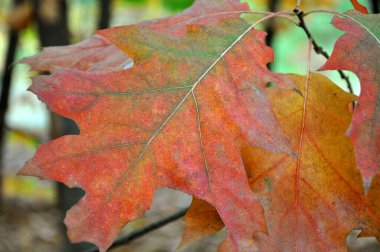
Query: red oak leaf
x,y
178,118
358,50
95,54
313,202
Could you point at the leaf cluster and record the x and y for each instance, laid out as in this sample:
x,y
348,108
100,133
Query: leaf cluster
x,y
184,102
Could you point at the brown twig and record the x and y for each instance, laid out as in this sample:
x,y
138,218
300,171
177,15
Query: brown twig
x,y
317,48
298,5
144,230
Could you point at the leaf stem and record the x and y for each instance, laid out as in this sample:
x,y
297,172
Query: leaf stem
x,y
144,230
317,48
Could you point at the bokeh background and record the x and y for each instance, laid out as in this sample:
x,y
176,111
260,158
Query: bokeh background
x,y
31,211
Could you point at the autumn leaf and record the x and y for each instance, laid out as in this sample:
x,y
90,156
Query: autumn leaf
x,y
178,118
313,202
201,220
362,41
316,198
95,54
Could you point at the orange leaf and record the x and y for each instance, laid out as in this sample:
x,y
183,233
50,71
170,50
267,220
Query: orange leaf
x,y
178,118
316,198
201,220
313,202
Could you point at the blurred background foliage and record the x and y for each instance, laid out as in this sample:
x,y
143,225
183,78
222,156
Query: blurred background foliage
x,y
27,122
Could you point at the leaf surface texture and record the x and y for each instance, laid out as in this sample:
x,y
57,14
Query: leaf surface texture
x,y
178,118
358,50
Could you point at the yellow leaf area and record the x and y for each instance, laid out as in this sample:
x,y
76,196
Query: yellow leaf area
x,y
197,228
311,202
23,144
29,188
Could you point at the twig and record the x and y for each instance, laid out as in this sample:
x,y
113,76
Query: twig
x,y
298,5
318,49
144,230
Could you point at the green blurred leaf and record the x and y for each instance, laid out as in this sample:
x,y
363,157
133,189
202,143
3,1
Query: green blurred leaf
x,y
177,5
135,1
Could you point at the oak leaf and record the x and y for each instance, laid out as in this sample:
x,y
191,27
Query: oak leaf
x,y
201,220
178,118
358,50
313,202
94,54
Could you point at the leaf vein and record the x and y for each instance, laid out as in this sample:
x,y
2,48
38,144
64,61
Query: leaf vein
x,y
201,139
127,93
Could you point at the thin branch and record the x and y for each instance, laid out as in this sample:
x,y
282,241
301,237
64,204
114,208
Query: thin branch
x,y
317,48
298,5
144,230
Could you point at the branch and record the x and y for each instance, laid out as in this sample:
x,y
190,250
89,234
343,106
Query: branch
x,y
298,5
318,49
144,230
